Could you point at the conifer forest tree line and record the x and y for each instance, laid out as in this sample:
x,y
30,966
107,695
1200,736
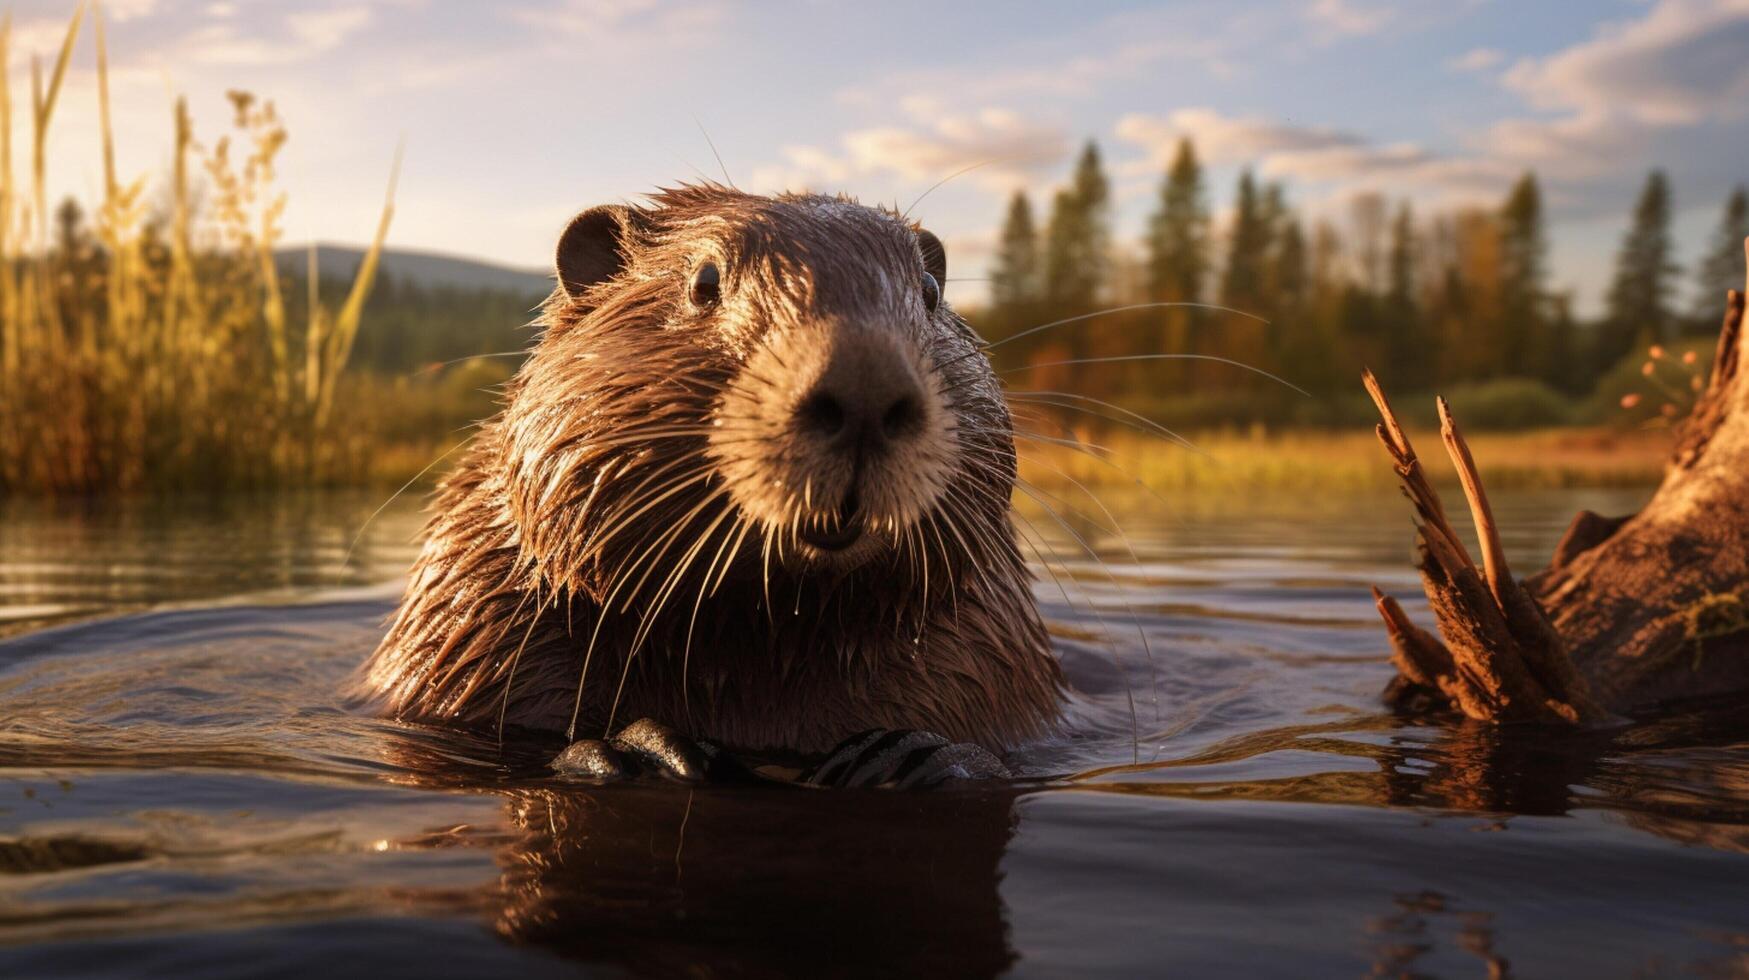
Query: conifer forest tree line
x,y
1427,300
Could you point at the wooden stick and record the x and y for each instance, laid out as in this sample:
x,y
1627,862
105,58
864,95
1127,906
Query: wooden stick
x,y
1396,440
1493,552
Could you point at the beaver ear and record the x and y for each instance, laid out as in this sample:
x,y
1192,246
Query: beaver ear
x,y
595,246
934,256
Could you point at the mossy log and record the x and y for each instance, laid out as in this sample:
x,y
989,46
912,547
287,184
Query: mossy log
x,y
1632,615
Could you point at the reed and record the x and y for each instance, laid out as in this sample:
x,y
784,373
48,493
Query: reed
x,y
154,351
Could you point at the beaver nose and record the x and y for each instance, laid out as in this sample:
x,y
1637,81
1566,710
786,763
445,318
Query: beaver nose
x,y
868,396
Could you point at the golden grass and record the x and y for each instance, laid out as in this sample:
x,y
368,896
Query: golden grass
x,y
1242,465
157,352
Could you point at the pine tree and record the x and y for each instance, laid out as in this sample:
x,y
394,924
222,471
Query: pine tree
x,y
1014,278
1400,259
1471,332
1523,337
1243,280
1076,243
1178,263
1079,234
1178,260
1244,285
1562,346
1639,297
1290,273
1299,345
1273,212
1722,268
1405,351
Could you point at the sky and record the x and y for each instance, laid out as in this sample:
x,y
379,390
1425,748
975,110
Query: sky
x,y
516,114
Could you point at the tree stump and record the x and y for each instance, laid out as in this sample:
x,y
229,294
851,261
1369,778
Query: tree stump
x,y
1632,615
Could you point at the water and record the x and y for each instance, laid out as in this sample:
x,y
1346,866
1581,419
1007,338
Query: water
x,y
184,793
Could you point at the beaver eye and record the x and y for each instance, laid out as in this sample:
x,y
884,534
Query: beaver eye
x,y
705,290
931,292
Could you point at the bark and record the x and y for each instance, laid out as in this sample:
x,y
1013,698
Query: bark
x,y
1633,614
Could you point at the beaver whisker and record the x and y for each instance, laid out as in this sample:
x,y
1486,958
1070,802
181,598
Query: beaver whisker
x,y
621,575
620,578
705,583
914,532
768,533
637,435
1117,588
713,145
676,575
937,185
515,658
1114,529
1082,446
654,498
746,525
346,559
1142,422
647,557
1088,449
429,368
953,528
946,561
1104,626
1185,304
641,499
666,590
1121,358
984,535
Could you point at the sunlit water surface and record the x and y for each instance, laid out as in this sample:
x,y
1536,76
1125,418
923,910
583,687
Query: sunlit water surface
x,y
186,793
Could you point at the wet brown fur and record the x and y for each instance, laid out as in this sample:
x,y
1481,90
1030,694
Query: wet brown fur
x,y
565,574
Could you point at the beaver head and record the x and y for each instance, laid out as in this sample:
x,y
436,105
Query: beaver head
x,y
733,386
757,466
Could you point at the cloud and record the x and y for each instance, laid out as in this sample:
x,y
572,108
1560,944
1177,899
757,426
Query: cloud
x,y
1226,139
1477,60
1089,57
1310,154
673,22
301,36
1003,146
1345,18
322,30
40,38
128,9
1671,88
1681,63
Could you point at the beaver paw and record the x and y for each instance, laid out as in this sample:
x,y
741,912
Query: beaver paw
x,y
642,747
903,759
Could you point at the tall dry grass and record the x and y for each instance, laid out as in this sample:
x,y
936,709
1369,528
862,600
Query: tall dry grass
x,y
154,351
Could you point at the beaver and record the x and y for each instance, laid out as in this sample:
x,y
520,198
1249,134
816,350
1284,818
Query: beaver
x,y
750,487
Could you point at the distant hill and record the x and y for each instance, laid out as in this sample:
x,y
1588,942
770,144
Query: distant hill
x,y
338,263
426,308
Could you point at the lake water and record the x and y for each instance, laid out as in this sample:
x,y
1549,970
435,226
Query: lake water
x,y
183,791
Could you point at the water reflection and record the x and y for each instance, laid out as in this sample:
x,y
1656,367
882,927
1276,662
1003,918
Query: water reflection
x,y
1408,934
1684,777
189,781
62,560
755,883
666,879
